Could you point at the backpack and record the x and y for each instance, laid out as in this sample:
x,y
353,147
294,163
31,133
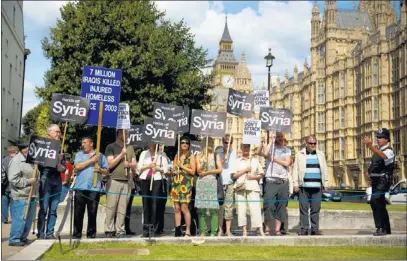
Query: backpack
x,y
4,174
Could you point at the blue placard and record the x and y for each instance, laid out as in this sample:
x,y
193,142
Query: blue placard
x,y
102,84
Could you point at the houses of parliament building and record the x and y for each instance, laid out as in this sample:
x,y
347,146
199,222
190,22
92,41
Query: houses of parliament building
x,y
356,83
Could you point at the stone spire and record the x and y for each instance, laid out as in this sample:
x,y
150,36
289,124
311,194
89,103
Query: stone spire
x,y
305,66
278,82
226,35
315,21
295,73
403,12
243,60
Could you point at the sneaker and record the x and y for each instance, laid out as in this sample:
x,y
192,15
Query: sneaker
x,y
16,244
120,234
27,241
130,233
109,234
51,237
380,232
303,233
317,233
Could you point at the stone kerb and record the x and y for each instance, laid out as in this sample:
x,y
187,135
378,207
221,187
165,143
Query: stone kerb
x,y
329,219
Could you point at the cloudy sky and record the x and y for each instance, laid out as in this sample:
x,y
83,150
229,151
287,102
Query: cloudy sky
x,y
254,27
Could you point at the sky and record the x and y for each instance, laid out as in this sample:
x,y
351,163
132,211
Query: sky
x,y
255,26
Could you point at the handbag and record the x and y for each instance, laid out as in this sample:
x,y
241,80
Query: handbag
x,y
219,186
240,184
221,192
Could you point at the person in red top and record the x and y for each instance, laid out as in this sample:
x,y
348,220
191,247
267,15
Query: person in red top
x,y
66,177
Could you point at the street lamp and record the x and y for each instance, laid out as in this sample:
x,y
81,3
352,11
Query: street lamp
x,y
269,62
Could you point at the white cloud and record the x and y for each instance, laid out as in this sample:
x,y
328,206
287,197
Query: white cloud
x,y
282,26
30,100
43,13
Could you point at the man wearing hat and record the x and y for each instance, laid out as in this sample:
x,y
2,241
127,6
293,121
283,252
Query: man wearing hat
x,y
380,175
20,177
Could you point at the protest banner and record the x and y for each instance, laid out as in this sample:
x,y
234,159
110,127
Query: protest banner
x,y
196,147
159,131
261,99
252,131
101,86
273,119
68,108
240,103
43,151
208,123
123,122
135,136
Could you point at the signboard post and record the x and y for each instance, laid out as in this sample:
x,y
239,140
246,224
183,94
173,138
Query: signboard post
x,y
135,136
123,122
261,99
101,85
251,131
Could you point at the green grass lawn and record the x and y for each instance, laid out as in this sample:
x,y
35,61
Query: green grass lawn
x,y
231,252
294,204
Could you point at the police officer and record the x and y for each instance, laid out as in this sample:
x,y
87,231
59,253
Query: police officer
x,y
380,174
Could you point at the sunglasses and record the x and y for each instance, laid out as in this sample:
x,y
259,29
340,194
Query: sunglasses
x,y
312,143
226,142
183,142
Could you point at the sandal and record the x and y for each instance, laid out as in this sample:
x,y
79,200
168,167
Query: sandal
x,y
278,233
187,235
267,233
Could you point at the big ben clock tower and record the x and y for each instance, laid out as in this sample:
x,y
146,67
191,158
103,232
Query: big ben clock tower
x,y
228,73
225,63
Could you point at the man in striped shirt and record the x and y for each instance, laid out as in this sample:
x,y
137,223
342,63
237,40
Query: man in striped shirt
x,y
310,178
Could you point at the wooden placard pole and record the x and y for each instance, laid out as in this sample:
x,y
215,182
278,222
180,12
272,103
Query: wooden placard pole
x,y
126,170
179,151
64,137
99,134
227,151
206,152
155,160
35,172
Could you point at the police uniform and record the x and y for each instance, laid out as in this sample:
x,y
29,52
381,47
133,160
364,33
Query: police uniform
x,y
380,173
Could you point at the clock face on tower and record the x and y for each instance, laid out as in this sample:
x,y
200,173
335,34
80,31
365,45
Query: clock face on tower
x,y
228,81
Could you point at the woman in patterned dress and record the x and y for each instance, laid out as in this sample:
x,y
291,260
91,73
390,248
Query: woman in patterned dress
x,y
206,198
182,183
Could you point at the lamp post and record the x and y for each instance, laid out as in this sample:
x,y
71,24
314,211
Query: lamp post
x,y
269,62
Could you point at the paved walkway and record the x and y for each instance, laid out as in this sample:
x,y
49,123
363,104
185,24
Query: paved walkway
x,y
6,250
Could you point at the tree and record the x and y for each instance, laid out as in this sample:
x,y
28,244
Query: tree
x,y
30,118
159,59
36,120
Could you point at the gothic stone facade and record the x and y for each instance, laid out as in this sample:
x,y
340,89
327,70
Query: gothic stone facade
x,y
356,84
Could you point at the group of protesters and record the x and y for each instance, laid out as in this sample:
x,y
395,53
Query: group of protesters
x,y
210,184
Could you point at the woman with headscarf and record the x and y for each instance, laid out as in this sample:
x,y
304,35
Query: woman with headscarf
x,y
182,182
206,198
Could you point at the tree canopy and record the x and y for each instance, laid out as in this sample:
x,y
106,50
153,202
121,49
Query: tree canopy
x,y
159,59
